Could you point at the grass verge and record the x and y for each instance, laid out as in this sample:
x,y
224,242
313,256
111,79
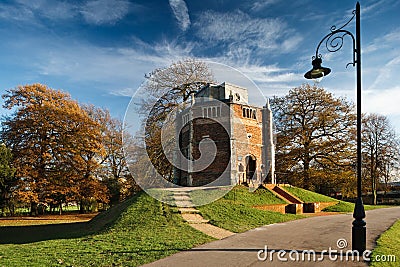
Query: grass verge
x,y
146,231
387,251
234,211
344,206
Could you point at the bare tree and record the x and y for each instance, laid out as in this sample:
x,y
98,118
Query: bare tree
x,y
380,151
166,89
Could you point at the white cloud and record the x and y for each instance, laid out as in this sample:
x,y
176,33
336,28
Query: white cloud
x,y
377,7
261,69
386,75
269,74
238,27
290,43
180,10
118,70
392,39
13,13
105,11
384,101
245,36
260,5
85,62
93,11
55,10
128,92
28,11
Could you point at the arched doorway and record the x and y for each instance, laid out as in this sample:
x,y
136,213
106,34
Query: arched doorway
x,y
250,167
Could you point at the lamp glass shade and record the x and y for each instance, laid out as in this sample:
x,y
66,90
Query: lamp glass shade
x,y
317,71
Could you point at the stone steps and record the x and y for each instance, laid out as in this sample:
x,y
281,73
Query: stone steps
x,y
188,210
193,217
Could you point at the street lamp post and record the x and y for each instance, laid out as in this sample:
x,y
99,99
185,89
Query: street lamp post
x,y
334,42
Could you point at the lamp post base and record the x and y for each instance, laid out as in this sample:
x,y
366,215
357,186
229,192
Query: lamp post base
x,y
359,230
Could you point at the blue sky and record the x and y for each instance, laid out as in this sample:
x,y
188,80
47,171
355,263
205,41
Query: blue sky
x,y
99,51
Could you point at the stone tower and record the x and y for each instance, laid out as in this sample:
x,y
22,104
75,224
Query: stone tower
x,y
238,138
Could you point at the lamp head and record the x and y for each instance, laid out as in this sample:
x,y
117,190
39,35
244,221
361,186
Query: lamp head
x,y
317,71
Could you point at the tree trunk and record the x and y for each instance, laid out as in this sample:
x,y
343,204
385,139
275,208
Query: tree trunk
x,y
81,207
374,189
373,178
34,209
11,208
3,203
306,175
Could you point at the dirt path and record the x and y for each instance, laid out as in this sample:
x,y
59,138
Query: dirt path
x,y
45,219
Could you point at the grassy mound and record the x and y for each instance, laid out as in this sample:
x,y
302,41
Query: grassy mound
x,y
241,194
308,196
146,231
234,211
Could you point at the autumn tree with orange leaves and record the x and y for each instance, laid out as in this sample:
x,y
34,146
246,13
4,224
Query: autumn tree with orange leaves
x,y
315,140
56,146
114,170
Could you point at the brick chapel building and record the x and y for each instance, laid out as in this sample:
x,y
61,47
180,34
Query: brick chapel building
x,y
237,136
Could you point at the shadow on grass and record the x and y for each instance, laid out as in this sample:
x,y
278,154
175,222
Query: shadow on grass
x,y
35,233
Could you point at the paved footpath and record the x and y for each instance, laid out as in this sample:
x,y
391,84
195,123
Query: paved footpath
x,y
315,233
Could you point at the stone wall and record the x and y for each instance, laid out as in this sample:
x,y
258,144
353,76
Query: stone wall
x,y
248,136
214,128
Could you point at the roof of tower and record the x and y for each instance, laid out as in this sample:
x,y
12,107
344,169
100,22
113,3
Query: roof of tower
x,y
224,91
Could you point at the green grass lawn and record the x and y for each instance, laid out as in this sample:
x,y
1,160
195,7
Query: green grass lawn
x,y
342,206
145,232
388,245
234,211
